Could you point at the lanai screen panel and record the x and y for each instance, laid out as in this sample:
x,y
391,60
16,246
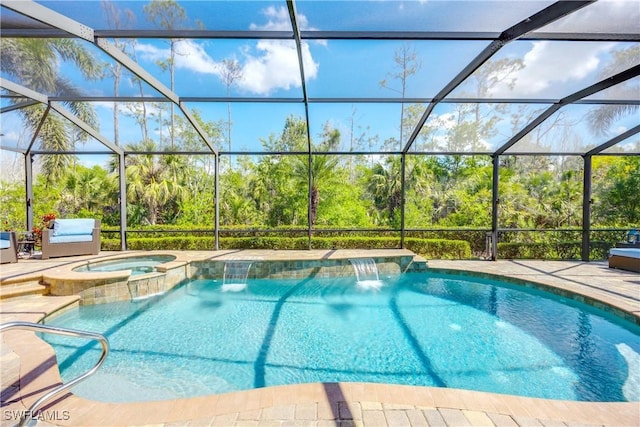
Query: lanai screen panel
x,y
79,141
371,15
387,69
262,68
254,126
33,62
11,19
349,51
363,126
574,129
267,68
547,69
207,15
146,126
15,135
473,127
599,18
626,91
629,145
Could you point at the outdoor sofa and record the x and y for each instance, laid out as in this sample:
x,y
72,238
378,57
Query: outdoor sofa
x,y
8,247
74,236
625,259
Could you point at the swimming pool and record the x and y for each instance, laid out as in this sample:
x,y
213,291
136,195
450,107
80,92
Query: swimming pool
x,y
140,264
421,328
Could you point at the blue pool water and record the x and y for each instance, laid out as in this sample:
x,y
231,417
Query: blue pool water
x,y
422,329
137,264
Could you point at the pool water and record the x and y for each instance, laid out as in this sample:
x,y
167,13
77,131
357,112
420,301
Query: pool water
x,y
421,329
137,264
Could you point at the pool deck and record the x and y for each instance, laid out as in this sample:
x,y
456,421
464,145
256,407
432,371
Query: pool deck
x,y
29,367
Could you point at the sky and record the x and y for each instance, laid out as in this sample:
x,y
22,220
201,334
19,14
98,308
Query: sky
x,y
354,68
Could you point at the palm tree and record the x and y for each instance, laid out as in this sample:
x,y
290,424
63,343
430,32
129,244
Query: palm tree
x,y
385,185
152,180
322,168
34,63
602,117
88,189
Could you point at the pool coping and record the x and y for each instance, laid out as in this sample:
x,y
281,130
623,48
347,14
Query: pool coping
x,y
579,296
98,287
331,402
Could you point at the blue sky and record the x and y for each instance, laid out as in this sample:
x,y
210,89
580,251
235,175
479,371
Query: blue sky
x,y
348,68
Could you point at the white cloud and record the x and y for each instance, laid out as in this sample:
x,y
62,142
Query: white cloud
x,y
276,64
276,67
192,56
603,16
278,20
11,137
620,130
271,65
128,107
552,63
151,53
189,55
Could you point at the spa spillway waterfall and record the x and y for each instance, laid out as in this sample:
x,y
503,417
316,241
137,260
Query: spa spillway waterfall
x,y
366,273
235,276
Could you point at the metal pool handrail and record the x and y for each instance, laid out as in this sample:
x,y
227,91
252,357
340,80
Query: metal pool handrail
x,y
37,327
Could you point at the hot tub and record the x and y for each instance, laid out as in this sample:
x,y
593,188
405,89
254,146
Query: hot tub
x,y
139,264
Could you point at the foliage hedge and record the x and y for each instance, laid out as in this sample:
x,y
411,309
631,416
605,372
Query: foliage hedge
x,y
456,244
475,238
553,250
428,248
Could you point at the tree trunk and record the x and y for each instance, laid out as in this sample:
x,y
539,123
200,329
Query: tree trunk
x,y
314,204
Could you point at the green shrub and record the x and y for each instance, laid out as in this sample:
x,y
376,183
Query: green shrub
x,y
428,248
599,250
263,243
475,238
355,242
439,248
558,250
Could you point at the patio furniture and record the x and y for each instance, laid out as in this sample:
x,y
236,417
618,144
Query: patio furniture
x,y
8,247
625,259
67,237
26,244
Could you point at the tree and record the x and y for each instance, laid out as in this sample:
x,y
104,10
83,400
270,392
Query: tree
x,y
408,64
469,126
602,117
12,206
322,169
420,191
240,190
116,20
168,15
35,63
385,186
615,190
230,72
292,138
280,194
153,181
88,191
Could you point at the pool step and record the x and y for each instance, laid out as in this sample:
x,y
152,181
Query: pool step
x,y
21,289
